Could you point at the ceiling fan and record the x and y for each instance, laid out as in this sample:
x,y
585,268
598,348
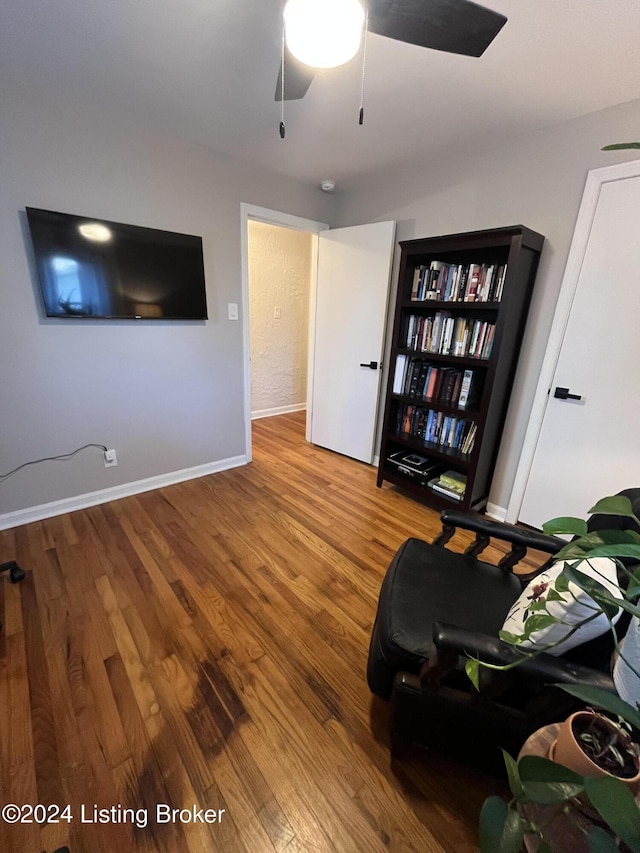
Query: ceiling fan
x,y
452,26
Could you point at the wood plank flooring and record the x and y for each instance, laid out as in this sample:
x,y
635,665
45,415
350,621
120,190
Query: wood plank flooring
x,y
204,645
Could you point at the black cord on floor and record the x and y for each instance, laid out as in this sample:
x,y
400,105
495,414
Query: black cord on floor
x,y
63,456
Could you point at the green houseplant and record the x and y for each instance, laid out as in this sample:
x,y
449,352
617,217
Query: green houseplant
x,y
539,782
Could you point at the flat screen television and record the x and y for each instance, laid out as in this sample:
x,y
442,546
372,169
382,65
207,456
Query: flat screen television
x,y
101,270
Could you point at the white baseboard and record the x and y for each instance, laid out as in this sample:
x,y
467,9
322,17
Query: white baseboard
x,y
280,410
499,513
114,493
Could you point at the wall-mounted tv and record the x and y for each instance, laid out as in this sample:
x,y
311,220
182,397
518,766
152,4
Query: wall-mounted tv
x,y
101,270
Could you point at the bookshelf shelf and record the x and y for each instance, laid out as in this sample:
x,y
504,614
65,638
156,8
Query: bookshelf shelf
x,y
441,407
486,279
448,359
449,454
458,307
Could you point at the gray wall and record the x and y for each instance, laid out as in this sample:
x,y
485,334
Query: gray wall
x,y
166,395
535,180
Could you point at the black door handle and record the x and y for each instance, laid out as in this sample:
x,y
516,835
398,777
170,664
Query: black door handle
x,y
372,365
563,394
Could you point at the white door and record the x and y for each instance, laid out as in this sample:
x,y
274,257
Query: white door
x,y
354,268
590,447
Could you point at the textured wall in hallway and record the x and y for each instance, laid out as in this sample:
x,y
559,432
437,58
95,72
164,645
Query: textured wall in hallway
x,y
279,278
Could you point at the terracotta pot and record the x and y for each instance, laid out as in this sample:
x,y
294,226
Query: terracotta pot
x,y
567,751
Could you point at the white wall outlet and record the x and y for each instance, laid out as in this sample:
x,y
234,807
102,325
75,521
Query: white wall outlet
x,y
232,308
277,313
110,459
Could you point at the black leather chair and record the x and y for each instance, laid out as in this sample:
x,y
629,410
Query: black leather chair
x,y
436,608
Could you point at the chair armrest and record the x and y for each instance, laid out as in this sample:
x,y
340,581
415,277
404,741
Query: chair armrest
x,y
546,668
479,523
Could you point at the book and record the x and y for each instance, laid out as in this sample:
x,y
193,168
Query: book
x,y
451,483
413,378
447,335
398,376
473,283
502,274
488,344
469,440
422,378
430,382
468,389
417,287
446,393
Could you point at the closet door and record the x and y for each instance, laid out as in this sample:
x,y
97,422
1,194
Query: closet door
x,y
589,443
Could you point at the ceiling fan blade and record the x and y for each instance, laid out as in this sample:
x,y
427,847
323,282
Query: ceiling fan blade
x,y
297,78
454,26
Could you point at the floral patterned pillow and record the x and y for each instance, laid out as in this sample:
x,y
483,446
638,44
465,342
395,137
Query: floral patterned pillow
x,y
556,613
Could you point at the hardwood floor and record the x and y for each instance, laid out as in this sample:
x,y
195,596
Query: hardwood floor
x,y
204,645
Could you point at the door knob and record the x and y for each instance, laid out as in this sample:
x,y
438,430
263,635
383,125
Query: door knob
x,y
372,365
563,394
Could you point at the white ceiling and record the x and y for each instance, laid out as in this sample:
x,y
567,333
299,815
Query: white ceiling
x,y
205,70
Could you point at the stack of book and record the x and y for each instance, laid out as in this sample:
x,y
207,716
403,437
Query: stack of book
x,y
451,483
433,426
448,335
450,386
446,282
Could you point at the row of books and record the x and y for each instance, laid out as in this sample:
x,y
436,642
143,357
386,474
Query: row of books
x,y
451,386
450,483
458,282
431,425
447,335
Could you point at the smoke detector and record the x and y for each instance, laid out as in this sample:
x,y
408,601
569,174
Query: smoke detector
x,y
328,186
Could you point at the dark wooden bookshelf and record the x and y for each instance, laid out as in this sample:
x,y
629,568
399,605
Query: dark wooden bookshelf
x,y
519,249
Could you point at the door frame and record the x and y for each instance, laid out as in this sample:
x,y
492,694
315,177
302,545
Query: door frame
x,y
596,178
298,223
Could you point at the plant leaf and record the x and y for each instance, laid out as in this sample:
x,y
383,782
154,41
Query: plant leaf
x,y
508,637
630,608
600,841
611,537
546,782
566,524
616,804
602,698
554,595
619,550
598,592
613,504
472,668
539,621
513,774
501,829
619,146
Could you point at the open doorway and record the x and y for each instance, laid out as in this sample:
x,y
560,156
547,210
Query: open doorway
x,y
348,300
283,222
280,268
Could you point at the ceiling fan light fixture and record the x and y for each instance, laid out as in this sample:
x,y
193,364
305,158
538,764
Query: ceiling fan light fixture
x,y
323,33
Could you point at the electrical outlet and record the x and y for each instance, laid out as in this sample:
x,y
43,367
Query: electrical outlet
x,y
110,459
232,309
